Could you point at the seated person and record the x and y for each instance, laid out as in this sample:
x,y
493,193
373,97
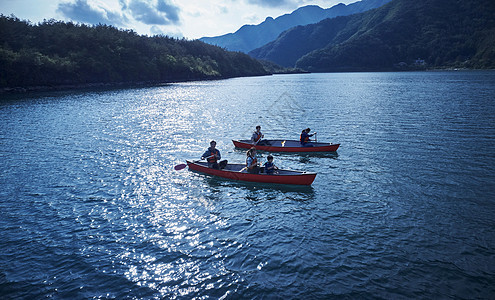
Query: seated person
x,y
304,138
269,166
252,162
212,156
257,136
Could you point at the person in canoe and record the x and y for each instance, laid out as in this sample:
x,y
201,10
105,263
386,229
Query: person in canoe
x,y
212,156
305,138
252,162
269,166
257,136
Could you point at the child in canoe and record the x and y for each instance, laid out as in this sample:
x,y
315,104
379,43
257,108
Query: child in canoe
x,y
269,166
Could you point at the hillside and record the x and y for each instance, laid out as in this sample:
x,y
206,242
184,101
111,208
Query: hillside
x,y
58,53
250,37
401,35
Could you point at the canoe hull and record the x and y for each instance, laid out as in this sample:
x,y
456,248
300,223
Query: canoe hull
x,y
287,146
234,173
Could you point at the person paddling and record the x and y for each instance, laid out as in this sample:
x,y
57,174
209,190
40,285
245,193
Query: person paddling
x,y
212,156
257,136
252,161
305,138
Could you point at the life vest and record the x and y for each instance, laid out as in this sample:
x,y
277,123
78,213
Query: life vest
x,y
258,136
304,138
254,162
213,159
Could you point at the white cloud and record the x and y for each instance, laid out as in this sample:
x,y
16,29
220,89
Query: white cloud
x,y
191,18
85,12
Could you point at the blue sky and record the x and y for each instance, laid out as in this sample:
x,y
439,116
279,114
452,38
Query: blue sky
x,y
179,18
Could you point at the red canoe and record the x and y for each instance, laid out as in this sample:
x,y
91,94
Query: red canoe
x,y
238,172
287,146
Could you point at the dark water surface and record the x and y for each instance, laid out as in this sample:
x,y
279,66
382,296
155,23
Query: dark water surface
x,y
91,206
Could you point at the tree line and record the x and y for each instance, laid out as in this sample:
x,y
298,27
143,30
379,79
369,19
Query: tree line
x,y
64,53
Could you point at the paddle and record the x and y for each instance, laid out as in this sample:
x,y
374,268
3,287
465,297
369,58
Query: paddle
x,y
316,140
182,166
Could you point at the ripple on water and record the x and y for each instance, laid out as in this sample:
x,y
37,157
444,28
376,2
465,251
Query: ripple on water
x,y
93,208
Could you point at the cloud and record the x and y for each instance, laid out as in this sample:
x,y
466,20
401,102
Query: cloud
x,y
170,10
159,12
272,3
148,12
81,11
157,30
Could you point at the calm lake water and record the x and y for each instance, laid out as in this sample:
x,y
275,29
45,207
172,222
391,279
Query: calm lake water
x,y
91,206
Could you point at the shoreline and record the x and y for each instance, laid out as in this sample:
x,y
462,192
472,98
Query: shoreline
x,y
69,87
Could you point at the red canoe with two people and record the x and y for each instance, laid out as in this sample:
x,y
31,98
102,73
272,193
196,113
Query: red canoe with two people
x,y
286,146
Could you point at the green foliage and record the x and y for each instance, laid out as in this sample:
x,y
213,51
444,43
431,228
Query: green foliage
x,y
440,33
58,53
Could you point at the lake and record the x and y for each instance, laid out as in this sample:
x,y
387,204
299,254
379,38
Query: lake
x,y
91,206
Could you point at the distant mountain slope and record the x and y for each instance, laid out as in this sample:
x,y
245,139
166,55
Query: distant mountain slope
x,y
441,33
250,37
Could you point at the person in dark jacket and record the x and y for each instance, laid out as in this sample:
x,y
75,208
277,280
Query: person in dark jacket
x,y
305,138
212,156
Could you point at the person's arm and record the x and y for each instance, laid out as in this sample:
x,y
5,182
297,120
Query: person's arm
x,y
206,154
218,154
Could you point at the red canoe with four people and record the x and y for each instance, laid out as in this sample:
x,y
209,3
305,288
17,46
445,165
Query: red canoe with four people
x,y
238,172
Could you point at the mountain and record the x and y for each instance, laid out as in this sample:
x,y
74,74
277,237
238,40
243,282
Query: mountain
x,y
55,53
250,37
403,34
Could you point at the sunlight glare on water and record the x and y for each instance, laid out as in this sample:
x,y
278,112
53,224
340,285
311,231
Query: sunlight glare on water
x,y
93,207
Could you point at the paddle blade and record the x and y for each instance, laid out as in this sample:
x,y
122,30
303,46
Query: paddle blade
x,y
180,167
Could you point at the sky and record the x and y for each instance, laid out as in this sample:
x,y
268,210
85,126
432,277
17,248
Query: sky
x,y
189,19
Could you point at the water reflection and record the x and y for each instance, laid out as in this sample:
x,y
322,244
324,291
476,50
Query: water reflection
x,y
260,187
291,154
89,184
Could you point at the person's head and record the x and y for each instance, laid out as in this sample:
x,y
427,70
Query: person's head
x,y
308,130
270,158
251,152
258,128
213,144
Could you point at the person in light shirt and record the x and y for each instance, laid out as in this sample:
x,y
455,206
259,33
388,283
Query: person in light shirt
x,y
257,136
252,162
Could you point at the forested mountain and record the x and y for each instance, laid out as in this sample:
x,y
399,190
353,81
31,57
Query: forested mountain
x,y
250,37
403,34
59,53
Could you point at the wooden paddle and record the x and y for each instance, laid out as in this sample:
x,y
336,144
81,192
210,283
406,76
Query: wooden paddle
x,y
182,166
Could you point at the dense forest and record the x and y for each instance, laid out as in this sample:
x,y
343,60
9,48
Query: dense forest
x,y
401,35
54,53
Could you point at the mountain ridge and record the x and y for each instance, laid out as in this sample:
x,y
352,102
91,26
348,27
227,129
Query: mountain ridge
x,y
250,37
441,33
